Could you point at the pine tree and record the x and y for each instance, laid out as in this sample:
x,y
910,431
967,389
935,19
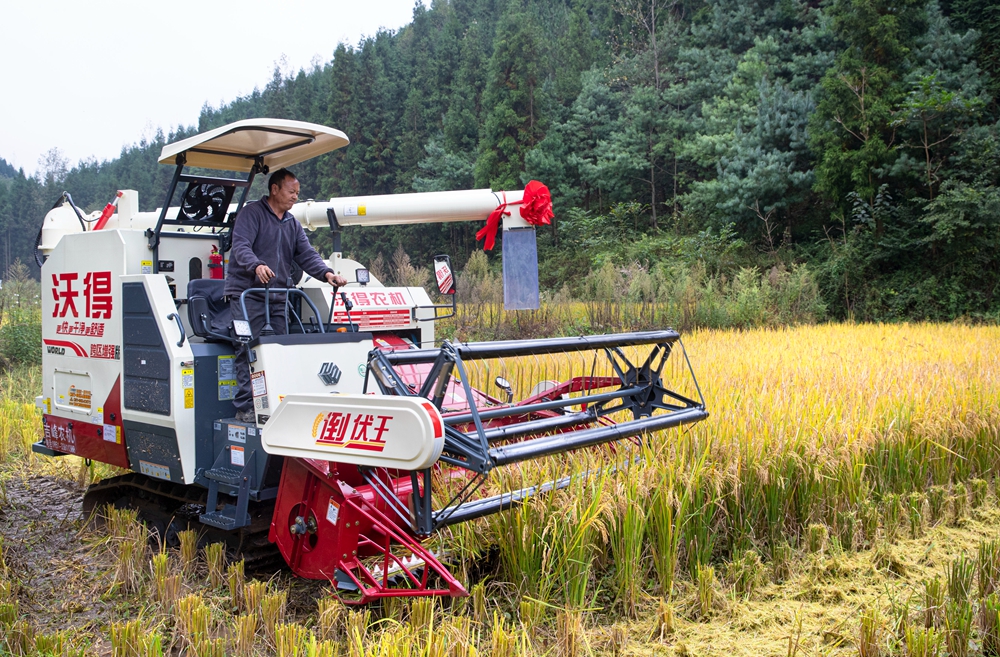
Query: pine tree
x,y
854,136
512,102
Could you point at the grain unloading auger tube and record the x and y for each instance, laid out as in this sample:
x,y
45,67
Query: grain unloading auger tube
x,y
373,475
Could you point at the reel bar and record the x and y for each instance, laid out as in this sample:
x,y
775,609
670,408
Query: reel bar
x,y
537,426
501,502
507,411
452,515
564,442
503,348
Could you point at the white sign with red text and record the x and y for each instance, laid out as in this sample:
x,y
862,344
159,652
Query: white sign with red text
x,y
81,299
443,275
368,430
376,308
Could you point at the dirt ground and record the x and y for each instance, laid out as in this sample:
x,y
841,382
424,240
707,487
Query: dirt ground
x,y
58,579
63,577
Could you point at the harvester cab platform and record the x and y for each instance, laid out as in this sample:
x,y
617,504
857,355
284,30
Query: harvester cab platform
x,y
368,436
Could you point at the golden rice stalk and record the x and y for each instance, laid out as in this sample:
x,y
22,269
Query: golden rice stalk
x,y
272,613
152,645
531,613
870,635
128,563
57,644
479,611
503,639
206,647
253,593
422,616
160,565
189,551
570,637
290,639
664,624
234,575
244,634
356,627
126,638
215,559
330,619
20,638
192,619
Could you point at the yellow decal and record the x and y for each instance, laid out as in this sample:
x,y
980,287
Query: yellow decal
x,y
316,423
79,397
362,210
188,397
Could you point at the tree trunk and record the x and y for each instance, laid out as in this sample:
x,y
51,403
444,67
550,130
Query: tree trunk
x,y
652,180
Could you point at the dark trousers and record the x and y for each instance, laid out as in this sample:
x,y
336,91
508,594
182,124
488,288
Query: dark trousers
x,y
255,311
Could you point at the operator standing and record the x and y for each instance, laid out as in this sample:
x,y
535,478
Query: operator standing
x,y
266,240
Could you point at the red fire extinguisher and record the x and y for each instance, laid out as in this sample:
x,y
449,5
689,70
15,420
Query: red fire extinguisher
x,y
215,268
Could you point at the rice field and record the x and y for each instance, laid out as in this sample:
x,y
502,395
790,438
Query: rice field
x,y
841,499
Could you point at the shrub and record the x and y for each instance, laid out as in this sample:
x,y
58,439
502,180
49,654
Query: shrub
x,y
21,342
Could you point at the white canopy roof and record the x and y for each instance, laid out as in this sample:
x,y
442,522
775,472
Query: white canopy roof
x,y
234,147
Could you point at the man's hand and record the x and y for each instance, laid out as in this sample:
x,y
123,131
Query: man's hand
x,y
335,280
264,273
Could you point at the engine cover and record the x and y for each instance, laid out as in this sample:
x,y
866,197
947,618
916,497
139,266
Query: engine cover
x,y
405,433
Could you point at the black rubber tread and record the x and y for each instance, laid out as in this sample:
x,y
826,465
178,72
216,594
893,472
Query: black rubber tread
x,y
168,507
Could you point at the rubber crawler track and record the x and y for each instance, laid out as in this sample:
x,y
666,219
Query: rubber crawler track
x,y
167,508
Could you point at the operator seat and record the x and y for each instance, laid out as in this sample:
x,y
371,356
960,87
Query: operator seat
x,y
208,307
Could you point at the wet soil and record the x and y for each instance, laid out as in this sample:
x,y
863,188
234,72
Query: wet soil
x,y
63,576
59,575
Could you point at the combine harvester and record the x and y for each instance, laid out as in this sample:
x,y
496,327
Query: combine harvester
x,y
368,438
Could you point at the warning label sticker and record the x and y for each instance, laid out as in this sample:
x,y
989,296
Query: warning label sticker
x,y
187,378
154,470
226,368
227,390
146,267
237,433
227,378
332,512
188,397
236,456
258,384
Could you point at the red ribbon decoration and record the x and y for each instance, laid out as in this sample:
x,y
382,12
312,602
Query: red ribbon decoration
x,y
536,209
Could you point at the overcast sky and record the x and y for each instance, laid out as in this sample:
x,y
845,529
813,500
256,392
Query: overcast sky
x,y
88,77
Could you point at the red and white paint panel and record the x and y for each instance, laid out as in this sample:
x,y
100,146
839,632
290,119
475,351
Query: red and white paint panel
x,y
368,430
376,308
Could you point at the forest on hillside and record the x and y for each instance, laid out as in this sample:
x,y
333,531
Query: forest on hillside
x,y
853,143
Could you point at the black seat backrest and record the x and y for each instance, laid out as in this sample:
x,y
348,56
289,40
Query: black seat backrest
x,y
206,301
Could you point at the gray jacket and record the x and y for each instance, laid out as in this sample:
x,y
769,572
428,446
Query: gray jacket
x,y
260,238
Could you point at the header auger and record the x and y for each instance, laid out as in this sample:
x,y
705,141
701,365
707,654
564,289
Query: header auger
x,y
368,438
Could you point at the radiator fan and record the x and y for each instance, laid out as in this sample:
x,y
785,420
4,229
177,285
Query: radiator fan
x,y
204,202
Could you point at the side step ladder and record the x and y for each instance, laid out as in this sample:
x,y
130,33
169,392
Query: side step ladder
x,y
223,472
